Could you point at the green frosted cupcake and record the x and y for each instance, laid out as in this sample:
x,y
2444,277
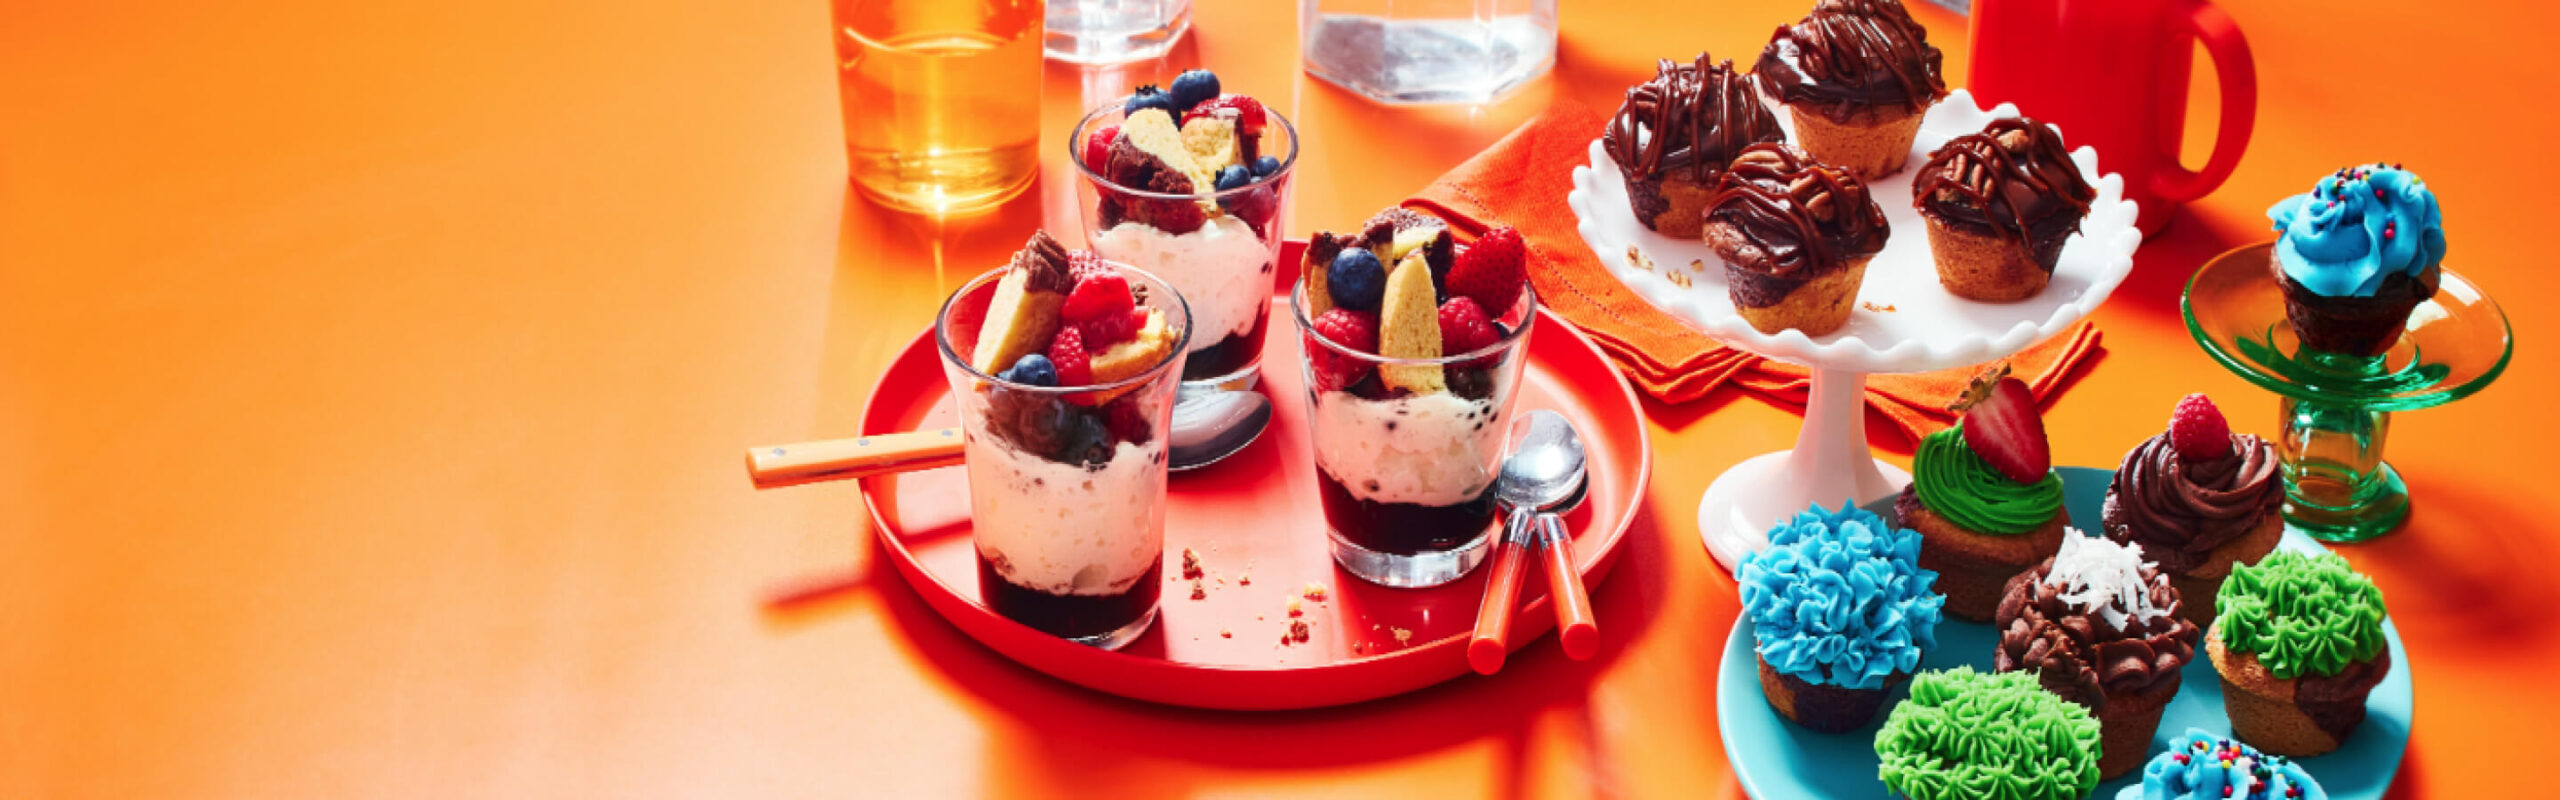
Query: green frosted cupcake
x,y
1966,734
2299,646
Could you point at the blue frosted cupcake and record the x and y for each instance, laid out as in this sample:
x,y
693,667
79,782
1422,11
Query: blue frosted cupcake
x,y
2356,254
2202,766
1841,611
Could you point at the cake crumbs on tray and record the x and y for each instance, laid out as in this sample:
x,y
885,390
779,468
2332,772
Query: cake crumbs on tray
x,y
1403,636
1226,634
1316,592
1298,631
1191,564
1871,306
1294,610
1198,590
1244,579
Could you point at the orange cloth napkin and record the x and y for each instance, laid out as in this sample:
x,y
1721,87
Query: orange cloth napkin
x,y
1521,181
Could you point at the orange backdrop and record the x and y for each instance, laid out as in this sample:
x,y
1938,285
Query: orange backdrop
x,y
372,378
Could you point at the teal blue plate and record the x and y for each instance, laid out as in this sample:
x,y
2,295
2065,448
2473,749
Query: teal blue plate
x,y
1779,760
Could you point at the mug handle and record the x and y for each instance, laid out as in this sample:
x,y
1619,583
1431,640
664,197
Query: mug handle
x,y
2239,77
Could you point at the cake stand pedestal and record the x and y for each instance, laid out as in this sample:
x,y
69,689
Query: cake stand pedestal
x,y
1905,323
2335,410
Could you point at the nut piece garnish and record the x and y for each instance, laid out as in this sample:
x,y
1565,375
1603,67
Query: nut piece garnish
x,y
1637,259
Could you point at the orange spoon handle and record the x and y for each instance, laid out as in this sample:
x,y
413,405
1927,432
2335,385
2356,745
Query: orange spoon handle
x,y
1491,642
845,459
1575,626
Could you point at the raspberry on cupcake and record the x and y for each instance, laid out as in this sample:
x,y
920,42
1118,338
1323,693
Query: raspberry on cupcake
x,y
1984,497
1840,612
1795,236
1998,205
1964,732
2299,646
1857,76
2099,627
1675,133
2202,766
2357,255
2199,499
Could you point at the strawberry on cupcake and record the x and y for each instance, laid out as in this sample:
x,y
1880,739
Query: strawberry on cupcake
x,y
1984,497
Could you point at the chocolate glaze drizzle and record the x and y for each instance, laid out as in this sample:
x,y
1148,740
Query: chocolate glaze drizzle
x,y
2013,177
1696,115
1799,216
1850,57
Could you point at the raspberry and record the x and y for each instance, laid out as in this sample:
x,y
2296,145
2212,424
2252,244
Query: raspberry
x,y
1103,295
1067,354
2198,432
1464,327
1492,270
1082,264
1100,333
1351,330
1126,421
1097,148
1249,114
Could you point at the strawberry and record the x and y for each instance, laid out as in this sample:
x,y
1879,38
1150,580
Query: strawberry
x,y
2002,425
1068,356
1492,270
2198,432
1249,114
1351,330
1097,148
1465,328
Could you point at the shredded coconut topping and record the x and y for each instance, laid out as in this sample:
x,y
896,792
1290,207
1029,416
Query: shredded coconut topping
x,y
2104,577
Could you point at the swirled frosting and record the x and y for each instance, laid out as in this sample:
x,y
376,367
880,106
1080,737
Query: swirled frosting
x,y
1956,483
2202,766
1850,58
1786,219
2356,228
1839,598
1696,116
1998,736
2302,615
2014,178
2092,622
2180,510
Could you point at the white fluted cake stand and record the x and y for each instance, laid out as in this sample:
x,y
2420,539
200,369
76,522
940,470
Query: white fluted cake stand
x,y
1905,323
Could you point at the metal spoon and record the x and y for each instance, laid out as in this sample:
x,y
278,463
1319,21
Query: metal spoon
x,y
1210,424
1543,473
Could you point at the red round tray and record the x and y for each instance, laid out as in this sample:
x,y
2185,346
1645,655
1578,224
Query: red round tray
x,y
1255,516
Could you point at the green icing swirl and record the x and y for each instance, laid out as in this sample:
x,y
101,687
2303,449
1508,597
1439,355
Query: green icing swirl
x,y
1968,491
1987,736
2302,615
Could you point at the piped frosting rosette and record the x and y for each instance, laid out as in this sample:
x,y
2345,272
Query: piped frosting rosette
x,y
1839,599
2094,621
2202,766
2358,227
1966,734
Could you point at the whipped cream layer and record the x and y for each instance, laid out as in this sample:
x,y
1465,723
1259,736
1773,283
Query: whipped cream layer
x,y
1429,449
1061,528
1221,270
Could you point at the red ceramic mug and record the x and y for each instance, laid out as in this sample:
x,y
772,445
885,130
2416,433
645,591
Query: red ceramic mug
x,y
2113,75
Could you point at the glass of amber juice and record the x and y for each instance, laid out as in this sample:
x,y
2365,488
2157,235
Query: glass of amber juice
x,y
941,100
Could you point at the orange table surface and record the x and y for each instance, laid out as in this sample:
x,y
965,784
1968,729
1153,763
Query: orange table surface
x,y
373,378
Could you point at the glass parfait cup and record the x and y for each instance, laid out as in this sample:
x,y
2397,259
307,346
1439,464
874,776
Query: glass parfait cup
x,y
1407,477
1222,264
1066,483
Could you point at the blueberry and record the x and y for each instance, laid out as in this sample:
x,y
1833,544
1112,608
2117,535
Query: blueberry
x,y
1149,96
1032,370
1191,87
1233,176
1356,279
1086,442
1255,207
1265,165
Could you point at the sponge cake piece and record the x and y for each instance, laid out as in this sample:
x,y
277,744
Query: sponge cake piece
x,y
1023,314
1152,131
1134,357
1409,328
1212,142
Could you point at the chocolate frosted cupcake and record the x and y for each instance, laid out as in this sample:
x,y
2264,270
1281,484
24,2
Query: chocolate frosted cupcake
x,y
1840,612
1857,76
2358,253
1795,237
2199,499
1998,205
1675,134
2299,646
2099,628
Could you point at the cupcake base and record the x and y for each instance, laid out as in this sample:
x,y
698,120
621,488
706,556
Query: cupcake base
x,y
1828,709
1817,306
1985,267
2295,717
1974,568
2126,726
1670,204
1870,151
2364,327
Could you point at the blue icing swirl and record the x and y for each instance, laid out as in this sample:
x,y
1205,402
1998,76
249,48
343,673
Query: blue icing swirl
x,y
1839,598
2202,766
2357,227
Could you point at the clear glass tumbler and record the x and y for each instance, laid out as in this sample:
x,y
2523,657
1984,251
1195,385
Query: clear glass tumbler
x,y
1115,31
1406,475
1066,483
1428,51
941,100
1218,248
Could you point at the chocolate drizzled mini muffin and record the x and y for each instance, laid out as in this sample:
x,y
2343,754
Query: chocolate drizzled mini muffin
x,y
1998,205
1857,76
1675,134
1795,236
